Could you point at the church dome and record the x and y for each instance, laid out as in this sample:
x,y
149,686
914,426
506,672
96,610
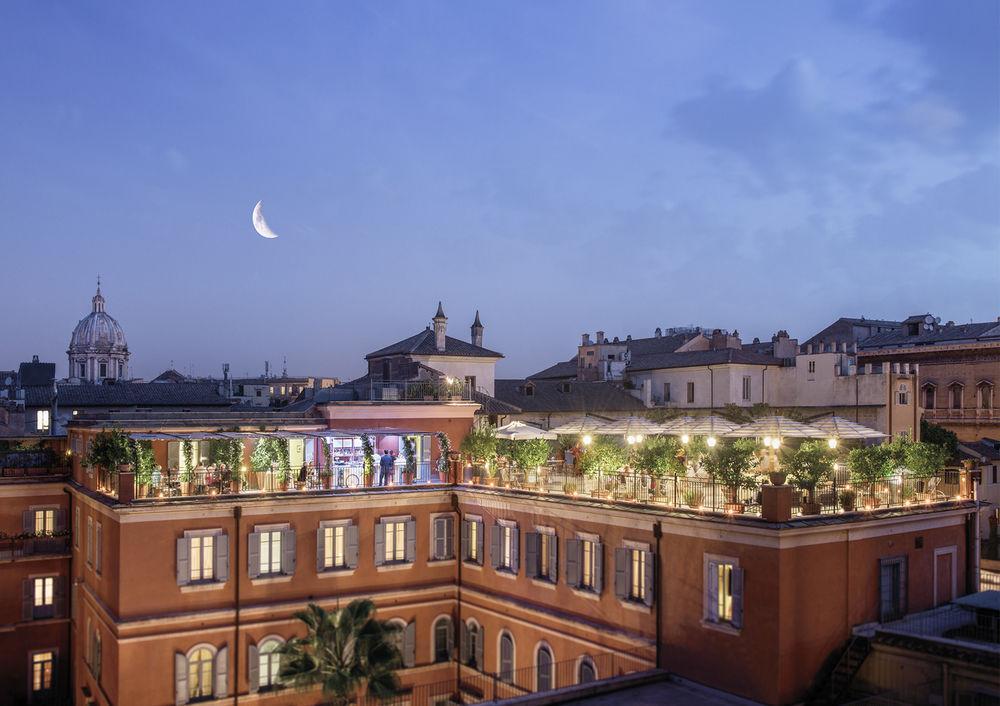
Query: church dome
x,y
98,332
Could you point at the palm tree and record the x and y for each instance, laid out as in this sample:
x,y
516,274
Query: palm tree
x,y
346,651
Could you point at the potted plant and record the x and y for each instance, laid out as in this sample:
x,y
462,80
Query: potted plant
x,y
326,472
528,454
870,465
602,459
233,460
368,462
144,464
659,456
925,460
263,457
846,499
111,451
732,464
409,459
455,388
808,466
693,498
480,446
569,487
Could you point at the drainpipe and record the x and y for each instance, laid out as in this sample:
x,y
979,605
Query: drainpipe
x,y
763,397
657,590
458,595
235,545
711,389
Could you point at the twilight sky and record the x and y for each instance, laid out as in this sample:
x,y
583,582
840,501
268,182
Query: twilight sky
x,y
562,166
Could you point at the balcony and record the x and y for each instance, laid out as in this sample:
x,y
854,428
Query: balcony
x,y
444,390
31,463
30,544
965,415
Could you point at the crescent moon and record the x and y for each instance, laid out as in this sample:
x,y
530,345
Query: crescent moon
x,y
259,224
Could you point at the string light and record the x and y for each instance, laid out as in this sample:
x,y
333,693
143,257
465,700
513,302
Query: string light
x,y
587,439
685,438
832,443
767,441
710,441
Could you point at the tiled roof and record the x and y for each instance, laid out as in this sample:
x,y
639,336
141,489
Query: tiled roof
x,y
169,375
697,358
559,371
491,405
38,395
565,396
142,394
658,344
842,330
984,448
423,344
36,373
958,333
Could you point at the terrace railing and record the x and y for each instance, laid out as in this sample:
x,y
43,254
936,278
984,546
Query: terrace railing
x,y
419,391
33,545
475,687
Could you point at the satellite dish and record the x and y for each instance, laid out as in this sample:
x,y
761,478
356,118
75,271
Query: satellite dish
x,y
929,319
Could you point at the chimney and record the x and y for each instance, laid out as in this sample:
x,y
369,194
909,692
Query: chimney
x,y
477,331
658,333
34,359
585,339
600,337
733,341
718,340
440,326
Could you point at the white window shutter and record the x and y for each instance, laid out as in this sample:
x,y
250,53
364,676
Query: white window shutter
x,y
253,554
465,540
221,686
288,551
439,538
621,572
449,537
379,544
713,591
320,548
221,557
183,561
737,597
573,562
410,644
180,679
411,540
515,550
479,543
253,668
553,559
598,567
351,546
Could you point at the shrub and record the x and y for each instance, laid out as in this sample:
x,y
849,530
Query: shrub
x,y
809,465
527,453
480,445
603,457
869,464
109,449
659,456
924,459
732,464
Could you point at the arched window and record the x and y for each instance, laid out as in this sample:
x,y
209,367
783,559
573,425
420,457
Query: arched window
x,y
985,394
543,667
955,392
472,645
506,669
200,672
586,672
269,664
442,639
930,392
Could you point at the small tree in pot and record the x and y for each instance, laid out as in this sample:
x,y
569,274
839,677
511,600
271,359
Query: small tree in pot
x,y
808,466
659,456
732,464
528,454
110,450
869,465
444,446
326,472
409,459
602,459
480,445
368,462
924,459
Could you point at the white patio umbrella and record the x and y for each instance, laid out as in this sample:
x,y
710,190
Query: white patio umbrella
x,y
520,431
837,428
711,426
579,425
777,428
631,426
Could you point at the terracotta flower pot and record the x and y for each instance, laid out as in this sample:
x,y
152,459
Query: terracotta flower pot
x,y
736,508
327,482
777,477
809,508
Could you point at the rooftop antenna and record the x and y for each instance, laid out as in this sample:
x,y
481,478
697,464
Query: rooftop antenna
x,y
284,366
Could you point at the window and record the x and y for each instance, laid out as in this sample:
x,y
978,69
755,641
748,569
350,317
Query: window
x,y
42,668
104,370
542,551
666,392
543,668
892,588
336,546
586,672
690,391
985,393
76,527
956,396
903,395
929,394
584,563
395,541
746,387
268,664
202,556
83,370
94,651
443,537
121,370
470,382
45,521
99,547
634,574
504,546
443,640
723,591
404,638
90,541
472,645
472,540
506,658
42,420
43,596
812,366
200,669
271,551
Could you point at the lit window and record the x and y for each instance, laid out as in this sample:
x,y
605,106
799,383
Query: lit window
x,y
395,541
45,521
41,671
637,586
44,592
544,542
472,553
200,674
270,552
42,420
587,558
334,554
269,665
506,546
723,592
202,558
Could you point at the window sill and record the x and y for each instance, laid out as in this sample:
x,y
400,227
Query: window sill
x,y
395,566
441,562
637,606
505,573
472,564
203,586
721,627
265,580
335,572
543,583
587,593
